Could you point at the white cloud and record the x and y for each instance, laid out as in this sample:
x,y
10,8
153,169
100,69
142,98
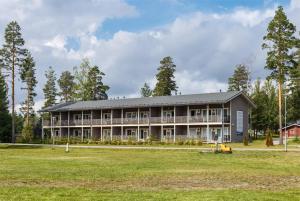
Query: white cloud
x,y
205,46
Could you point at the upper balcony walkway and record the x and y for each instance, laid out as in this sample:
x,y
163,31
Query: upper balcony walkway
x,y
140,121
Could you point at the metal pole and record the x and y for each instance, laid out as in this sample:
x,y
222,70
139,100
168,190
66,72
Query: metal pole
x,y
285,144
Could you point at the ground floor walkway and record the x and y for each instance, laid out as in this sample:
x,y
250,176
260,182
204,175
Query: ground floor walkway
x,y
151,147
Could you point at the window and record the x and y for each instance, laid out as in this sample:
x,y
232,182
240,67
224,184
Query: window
x,y
144,114
77,116
106,116
193,113
86,116
131,115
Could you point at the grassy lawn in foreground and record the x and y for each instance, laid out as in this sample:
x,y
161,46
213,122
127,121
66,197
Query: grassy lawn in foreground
x,y
28,173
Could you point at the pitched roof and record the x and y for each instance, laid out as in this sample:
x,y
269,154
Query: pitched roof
x,y
206,98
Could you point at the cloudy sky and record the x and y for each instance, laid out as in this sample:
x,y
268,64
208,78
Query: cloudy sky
x,y
128,38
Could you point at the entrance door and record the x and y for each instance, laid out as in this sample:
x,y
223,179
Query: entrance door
x,y
143,134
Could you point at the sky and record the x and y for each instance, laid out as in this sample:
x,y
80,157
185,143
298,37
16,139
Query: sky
x,y
128,38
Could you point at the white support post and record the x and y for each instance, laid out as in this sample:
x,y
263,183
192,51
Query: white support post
x,y
161,121
91,124
222,118
207,121
111,122
68,126
188,120
42,128
174,124
149,121
82,125
122,122
51,123
59,125
138,129
230,124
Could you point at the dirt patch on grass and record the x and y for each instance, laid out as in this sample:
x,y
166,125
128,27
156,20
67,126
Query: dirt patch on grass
x,y
157,183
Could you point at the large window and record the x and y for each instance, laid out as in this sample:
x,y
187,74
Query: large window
x,y
130,115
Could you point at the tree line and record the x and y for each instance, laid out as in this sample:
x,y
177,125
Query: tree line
x,y
85,82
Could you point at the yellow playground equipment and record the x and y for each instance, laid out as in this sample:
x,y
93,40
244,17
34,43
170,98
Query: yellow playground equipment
x,y
223,148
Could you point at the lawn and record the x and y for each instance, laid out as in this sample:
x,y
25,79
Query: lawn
x,y
28,173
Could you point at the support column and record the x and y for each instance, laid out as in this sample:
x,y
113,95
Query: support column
x,y
43,134
149,122
222,118
91,124
122,122
207,121
188,121
174,124
138,129
111,122
161,122
68,126
60,125
82,125
51,125
101,128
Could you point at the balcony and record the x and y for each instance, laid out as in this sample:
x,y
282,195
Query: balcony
x,y
151,120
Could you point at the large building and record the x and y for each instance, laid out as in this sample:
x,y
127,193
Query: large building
x,y
207,117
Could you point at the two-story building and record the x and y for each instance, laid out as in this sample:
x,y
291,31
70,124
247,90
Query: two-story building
x,y
223,116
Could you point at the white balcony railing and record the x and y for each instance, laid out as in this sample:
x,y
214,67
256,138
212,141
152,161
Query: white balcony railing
x,y
151,120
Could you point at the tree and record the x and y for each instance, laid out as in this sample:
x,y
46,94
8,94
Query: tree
x,y
28,77
279,41
270,114
257,113
11,59
5,118
146,91
165,78
89,85
95,87
240,80
49,89
66,84
81,78
294,89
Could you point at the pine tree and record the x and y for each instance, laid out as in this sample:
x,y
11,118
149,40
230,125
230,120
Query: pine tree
x,y
165,78
270,114
146,91
257,113
294,95
49,89
12,55
89,84
240,80
28,77
5,118
95,87
279,41
67,86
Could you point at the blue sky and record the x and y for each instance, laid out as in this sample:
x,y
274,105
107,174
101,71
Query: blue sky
x,y
157,13
128,38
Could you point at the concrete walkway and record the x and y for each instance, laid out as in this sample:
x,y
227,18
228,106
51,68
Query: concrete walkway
x,y
146,147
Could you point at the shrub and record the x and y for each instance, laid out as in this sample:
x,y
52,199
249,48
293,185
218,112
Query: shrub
x,y
27,133
296,139
199,143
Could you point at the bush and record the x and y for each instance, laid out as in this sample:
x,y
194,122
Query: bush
x,y
296,139
27,133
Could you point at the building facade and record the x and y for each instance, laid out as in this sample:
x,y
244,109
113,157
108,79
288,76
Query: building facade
x,y
207,117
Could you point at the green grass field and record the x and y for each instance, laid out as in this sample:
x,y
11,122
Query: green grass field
x,y
28,173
